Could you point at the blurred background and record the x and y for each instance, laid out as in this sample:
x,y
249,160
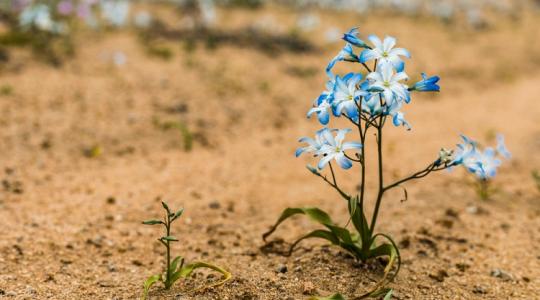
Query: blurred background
x,y
107,106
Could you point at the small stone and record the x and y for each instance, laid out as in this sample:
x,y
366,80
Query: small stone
x,y
30,290
498,273
106,283
439,276
111,268
214,205
478,289
281,268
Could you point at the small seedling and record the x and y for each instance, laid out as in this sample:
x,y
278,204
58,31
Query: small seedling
x,y
176,268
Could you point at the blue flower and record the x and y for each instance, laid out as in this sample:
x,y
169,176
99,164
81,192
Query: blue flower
x,y
427,84
352,38
347,94
501,147
388,82
487,164
466,154
384,52
334,148
371,104
324,103
398,117
483,164
346,54
313,145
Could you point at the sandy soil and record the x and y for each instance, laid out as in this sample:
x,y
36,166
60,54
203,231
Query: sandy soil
x,y
71,223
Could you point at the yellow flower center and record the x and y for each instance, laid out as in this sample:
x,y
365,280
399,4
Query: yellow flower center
x,y
386,84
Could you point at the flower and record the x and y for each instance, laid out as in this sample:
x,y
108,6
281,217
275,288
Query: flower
x,y
501,148
352,37
314,145
398,117
487,164
384,53
347,93
427,84
371,104
115,11
323,103
346,54
334,148
483,164
388,83
466,153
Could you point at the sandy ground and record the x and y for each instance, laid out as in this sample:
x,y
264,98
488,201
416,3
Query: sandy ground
x,y
71,223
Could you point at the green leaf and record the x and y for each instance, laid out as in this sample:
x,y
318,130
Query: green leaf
x,y
170,238
360,223
316,215
174,264
322,234
166,207
178,214
188,269
389,295
380,293
333,297
149,283
152,222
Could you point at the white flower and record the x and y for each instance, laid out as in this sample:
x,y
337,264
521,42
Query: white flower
x,y
388,83
384,52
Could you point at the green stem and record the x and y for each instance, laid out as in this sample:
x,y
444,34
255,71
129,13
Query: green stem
x,y
168,272
381,179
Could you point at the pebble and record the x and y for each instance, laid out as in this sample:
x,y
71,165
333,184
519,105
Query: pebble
x,y
439,276
478,289
281,268
30,290
498,273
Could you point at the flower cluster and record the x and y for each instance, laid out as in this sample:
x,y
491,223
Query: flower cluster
x,y
482,163
382,92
